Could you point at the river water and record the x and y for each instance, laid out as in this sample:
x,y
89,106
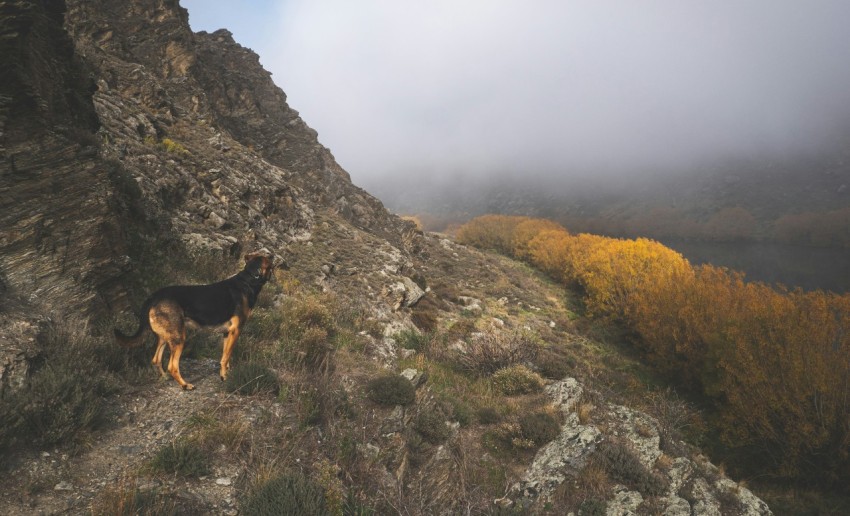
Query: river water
x,y
809,268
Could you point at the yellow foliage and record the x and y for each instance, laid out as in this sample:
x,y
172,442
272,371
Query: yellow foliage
x,y
777,363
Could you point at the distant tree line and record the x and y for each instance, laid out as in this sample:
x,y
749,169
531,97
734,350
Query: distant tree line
x,y
774,362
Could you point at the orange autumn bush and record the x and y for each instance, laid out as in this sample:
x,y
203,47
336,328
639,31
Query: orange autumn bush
x,y
776,364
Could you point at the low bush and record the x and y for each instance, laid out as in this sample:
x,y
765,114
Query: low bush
x,y
64,397
554,366
185,459
290,493
127,500
517,379
391,390
492,351
313,350
251,378
539,427
432,426
623,466
593,507
488,416
312,312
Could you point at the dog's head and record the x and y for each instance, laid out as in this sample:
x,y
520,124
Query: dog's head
x,y
260,266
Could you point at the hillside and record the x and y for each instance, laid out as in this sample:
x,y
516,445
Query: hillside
x,y
404,373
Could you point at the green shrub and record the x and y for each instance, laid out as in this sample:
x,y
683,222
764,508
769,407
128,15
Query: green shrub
x,y
185,459
432,426
391,390
488,416
517,379
251,378
288,494
539,427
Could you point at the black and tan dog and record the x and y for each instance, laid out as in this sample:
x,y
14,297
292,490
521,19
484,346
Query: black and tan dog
x,y
226,304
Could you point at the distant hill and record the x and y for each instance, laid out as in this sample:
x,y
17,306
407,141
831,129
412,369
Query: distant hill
x,y
801,199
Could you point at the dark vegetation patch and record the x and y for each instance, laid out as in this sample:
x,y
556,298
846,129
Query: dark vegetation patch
x,y
185,459
391,390
64,397
290,493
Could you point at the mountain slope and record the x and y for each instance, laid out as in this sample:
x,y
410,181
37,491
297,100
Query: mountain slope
x,y
177,157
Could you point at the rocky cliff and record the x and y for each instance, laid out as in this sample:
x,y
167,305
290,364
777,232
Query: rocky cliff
x,y
137,153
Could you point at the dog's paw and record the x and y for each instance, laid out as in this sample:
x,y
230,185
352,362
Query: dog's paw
x,y
188,387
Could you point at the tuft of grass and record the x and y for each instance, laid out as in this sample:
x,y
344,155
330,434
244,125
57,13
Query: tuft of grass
x,y
515,380
250,378
171,146
185,459
412,339
290,493
391,390
125,499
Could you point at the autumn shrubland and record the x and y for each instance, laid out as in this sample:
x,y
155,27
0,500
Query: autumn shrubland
x,y
771,362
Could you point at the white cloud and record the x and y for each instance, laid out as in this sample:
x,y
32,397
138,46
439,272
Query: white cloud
x,y
559,87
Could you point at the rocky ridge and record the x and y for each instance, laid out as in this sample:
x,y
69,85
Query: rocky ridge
x,y
133,147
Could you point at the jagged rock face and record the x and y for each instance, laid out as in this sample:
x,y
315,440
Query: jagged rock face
x,y
221,161
125,133
210,95
59,235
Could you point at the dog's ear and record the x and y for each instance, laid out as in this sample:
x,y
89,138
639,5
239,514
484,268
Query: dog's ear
x,y
250,256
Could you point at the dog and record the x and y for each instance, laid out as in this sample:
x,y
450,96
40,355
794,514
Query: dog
x,y
225,305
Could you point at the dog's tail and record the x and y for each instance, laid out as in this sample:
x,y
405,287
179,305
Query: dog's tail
x,y
136,339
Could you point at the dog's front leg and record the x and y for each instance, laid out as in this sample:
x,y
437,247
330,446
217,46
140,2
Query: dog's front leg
x,y
227,346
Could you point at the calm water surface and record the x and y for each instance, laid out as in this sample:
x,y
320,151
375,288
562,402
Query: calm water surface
x,y
810,268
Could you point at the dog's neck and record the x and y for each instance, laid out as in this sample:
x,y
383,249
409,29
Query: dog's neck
x,y
251,285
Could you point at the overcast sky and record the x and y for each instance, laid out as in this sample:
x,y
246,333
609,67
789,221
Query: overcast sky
x,y
448,87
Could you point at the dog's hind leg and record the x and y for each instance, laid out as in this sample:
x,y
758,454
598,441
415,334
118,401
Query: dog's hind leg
x,y
168,323
157,356
176,347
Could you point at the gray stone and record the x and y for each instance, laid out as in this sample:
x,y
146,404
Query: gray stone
x,y
415,377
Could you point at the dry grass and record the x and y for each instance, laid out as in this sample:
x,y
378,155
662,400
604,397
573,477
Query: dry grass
x,y
492,351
